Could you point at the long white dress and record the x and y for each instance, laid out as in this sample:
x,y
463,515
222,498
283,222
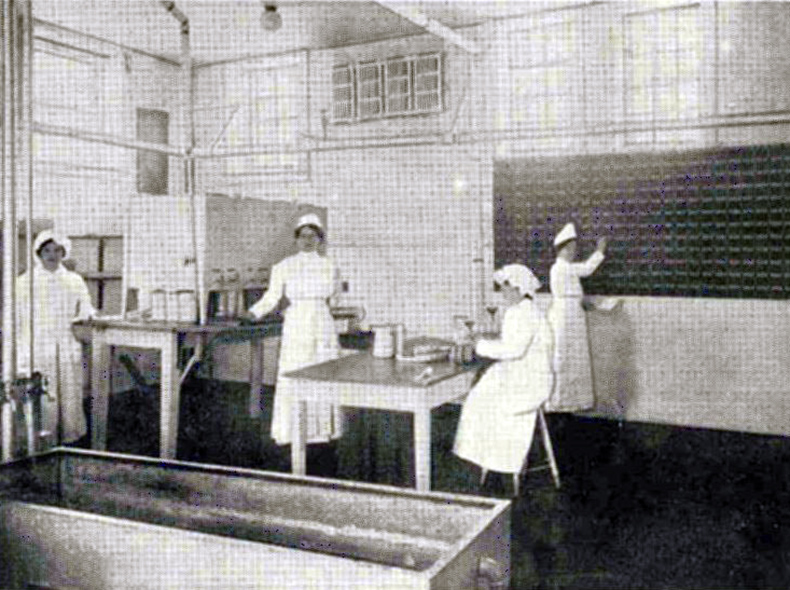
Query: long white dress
x,y
574,386
60,298
307,280
498,416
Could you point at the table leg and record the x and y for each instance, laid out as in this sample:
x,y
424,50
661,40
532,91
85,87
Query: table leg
x,y
8,432
30,427
100,390
170,392
299,438
422,450
256,376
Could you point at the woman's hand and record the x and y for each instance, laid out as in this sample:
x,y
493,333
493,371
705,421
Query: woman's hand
x,y
247,318
602,243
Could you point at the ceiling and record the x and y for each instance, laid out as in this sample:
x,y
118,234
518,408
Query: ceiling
x,y
227,29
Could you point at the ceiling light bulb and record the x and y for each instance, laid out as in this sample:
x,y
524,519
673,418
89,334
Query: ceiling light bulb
x,y
271,19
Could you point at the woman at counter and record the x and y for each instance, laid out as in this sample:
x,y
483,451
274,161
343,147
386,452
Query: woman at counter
x,y
574,387
498,417
60,297
308,280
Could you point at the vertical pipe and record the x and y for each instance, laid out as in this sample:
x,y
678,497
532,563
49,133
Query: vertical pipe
x,y
189,167
9,221
28,32
189,159
26,110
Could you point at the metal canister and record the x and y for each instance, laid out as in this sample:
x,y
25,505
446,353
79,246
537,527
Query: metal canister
x,y
383,341
400,334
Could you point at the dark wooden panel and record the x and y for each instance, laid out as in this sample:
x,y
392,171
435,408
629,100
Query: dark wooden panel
x,y
694,223
152,167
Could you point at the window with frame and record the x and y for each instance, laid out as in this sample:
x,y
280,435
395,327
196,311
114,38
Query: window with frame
x,y
397,86
663,61
270,101
67,86
342,93
546,68
71,88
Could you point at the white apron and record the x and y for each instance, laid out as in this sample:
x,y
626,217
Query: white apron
x,y
308,280
498,416
60,298
574,386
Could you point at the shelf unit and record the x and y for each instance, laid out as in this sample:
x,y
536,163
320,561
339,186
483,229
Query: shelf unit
x,y
99,260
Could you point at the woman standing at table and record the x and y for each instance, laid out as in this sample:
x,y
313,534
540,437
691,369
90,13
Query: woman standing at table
x,y
498,417
574,387
308,280
60,297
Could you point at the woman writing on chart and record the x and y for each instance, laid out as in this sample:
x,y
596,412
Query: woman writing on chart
x,y
498,417
574,387
308,280
60,297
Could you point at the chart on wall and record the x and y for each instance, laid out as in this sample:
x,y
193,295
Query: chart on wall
x,y
712,223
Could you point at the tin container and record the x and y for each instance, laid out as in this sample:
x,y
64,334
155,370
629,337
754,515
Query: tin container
x,y
383,341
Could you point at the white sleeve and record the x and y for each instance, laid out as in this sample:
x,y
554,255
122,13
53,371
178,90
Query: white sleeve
x,y
85,307
273,294
586,268
557,280
517,334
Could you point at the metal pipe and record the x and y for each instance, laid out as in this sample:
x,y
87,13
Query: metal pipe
x,y
28,142
9,223
91,136
26,64
189,169
189,160
57,27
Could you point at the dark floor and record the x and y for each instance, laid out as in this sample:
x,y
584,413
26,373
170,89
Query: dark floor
x,y
642,506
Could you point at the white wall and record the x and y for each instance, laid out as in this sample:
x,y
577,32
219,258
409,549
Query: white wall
x,y
83,186
411,226
710,363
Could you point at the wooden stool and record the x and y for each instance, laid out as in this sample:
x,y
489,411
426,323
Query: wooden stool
x,y
551,461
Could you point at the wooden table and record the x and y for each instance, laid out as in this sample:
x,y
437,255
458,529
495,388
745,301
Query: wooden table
x,y
363,381
168,338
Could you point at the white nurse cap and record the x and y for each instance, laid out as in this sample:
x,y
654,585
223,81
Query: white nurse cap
x,y
567,234
309,219
518,276
51,235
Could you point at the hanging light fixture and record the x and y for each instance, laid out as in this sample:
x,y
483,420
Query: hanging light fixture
x,y
271,19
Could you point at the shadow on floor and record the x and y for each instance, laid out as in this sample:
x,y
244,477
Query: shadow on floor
x,y
642,506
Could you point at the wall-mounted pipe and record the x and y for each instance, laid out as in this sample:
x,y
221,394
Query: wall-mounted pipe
x,y
26,61
9,219
105,139
189,160
177,14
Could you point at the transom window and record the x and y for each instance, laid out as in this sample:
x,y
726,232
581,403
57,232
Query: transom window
x,y
387,88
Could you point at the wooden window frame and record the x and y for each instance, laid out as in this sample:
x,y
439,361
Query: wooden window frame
x,y
376,89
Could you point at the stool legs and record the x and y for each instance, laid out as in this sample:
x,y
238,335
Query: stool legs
x,y
552,461
544,430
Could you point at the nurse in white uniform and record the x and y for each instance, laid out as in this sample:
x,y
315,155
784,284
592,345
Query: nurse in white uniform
x,y
574,387
307,280
60,297
498,417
